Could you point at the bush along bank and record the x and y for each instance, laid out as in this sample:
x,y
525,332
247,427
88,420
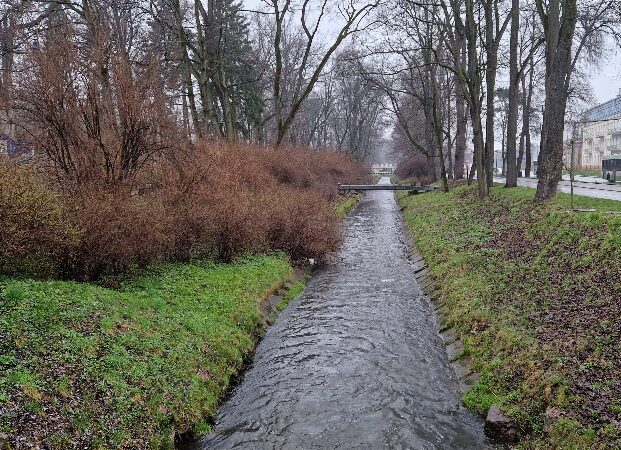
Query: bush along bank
x,y
83,366
204,201
87,366
532,291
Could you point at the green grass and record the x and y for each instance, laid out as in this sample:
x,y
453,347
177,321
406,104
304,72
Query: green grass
x,y
82,365
346,203
531,291
587,172
294,291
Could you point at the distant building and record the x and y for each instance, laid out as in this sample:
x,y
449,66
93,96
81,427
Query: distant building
x,y
599,134
383,169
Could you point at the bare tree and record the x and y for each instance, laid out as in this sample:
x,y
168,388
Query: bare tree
x,y
514,80
559,19
354,15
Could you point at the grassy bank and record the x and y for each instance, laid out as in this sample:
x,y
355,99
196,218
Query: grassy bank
x,y
346,203
533,292
89,367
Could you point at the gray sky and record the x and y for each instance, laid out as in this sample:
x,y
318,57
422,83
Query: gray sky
x,y
606,79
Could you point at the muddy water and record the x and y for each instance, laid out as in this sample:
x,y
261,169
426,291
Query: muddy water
x,y
355,362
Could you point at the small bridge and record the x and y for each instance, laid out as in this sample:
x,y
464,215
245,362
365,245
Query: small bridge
x,y
385,187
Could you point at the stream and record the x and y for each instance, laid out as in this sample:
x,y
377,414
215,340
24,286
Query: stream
x,y
356,361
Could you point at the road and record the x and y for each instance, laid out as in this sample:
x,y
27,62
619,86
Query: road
x,y
608,191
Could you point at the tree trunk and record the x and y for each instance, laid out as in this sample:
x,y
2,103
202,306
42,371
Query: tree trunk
x,y
437,127
559,33
514,79
461,118
449,126
503,153
222,88
204,83
431,158
210,123
490,83
7,54
460,131
479,151
520,158
189,88
474,102
529,155
187,74
529,98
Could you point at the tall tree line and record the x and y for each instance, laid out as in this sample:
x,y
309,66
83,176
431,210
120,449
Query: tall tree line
x,y
464,53
221,69
315,73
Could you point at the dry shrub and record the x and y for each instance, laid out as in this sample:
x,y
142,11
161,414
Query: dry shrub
x,y
117,231
302,223
207,200
86,126
33,230
311,169
136,192
414,168
233,199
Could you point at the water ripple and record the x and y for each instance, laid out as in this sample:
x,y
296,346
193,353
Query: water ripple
x,y
356,361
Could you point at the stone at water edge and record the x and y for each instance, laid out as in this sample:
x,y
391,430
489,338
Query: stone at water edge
x,y
500,427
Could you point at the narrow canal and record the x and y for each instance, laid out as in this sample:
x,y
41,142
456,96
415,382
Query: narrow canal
x,y
356,362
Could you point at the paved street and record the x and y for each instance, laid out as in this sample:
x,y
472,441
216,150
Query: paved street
x,y
609,191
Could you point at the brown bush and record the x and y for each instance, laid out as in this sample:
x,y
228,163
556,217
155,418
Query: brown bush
x,y
33,229
302,223
130,191
206,200
86,126
232,200
311,169
414,168
116,231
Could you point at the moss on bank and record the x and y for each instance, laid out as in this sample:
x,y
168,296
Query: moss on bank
x,y
294,291
90,367
532,290
346,203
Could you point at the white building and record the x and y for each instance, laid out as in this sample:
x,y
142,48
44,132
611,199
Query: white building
x,y
600,133
383,169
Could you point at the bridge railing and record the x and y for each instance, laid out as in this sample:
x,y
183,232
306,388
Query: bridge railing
x,y
385,187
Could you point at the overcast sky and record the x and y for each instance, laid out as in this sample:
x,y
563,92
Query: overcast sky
x,y
605,79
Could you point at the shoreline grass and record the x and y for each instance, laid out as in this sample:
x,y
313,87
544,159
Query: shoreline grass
x,y
294,291
82,365
347,203
531,290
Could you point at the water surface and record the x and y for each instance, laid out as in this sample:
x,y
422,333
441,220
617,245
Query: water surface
x,y
356,361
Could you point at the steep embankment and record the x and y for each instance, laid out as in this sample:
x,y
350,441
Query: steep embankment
x,y
533,292
90,367
86,366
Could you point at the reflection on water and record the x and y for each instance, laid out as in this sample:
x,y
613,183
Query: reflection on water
x,y
355,362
